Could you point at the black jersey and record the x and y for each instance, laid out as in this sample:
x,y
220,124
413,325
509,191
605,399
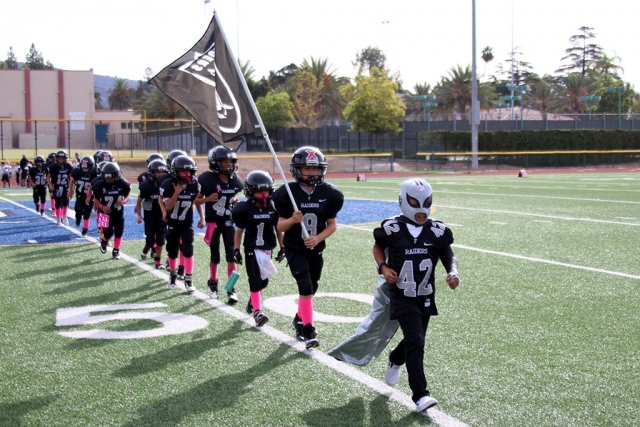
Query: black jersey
x,y
82,181
144,176
182,212
109,194
38,176
210,183
258,224
149,192
60,175
324,203
413,252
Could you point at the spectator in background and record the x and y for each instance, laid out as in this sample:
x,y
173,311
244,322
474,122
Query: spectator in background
x,y
24,162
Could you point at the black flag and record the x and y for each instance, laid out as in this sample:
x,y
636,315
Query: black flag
x,y
207,83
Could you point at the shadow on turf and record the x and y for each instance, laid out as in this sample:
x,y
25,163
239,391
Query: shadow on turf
x,y
182,353
11,414
212,395
353,414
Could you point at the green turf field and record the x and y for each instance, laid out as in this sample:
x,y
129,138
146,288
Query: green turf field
x,y
543,331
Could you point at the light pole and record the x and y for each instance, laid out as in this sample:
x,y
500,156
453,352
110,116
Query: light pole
x,y
475,104
618,89
589,99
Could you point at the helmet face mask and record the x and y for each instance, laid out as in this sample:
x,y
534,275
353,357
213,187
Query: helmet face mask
x,y
183,169
415,200
86,164
62,154
219,155
309,157
39,162
258,188
110,172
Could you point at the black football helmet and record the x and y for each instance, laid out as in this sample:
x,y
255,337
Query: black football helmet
x,y
308,156
99,168
52,157
219,153
258,181
172,155
105,156
86,164
39,161
96,157
183,169
157,165
110,170
62,154
154,156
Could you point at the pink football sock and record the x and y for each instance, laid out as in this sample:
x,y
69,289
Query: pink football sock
x,y
42,206
255,300
173,262
85,224
305,310
53,205
181,257
230,269
188,265
117,241
213,271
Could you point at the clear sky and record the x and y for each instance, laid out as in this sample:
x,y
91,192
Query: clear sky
x,y
422,39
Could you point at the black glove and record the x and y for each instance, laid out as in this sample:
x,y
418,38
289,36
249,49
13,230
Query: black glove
x,y
237,256
280,255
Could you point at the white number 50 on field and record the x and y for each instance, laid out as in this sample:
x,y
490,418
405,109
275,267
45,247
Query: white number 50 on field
x,y
172,323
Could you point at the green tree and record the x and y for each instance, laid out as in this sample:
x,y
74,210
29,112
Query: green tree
x,y
12,61
487,56
97,99
454,92
373,105
120,95
415,110
305,94
582,54
331,103
607,66
522,70
158,106
281,77
609,100
542,95
370,57
276,110
570,89
35,60
256,88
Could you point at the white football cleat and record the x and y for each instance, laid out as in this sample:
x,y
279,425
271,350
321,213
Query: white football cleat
x,y
425,403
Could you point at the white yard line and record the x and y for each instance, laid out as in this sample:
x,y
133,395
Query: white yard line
x,y
344,368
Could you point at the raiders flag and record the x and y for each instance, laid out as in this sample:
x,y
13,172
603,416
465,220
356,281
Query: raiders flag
x,y
207,82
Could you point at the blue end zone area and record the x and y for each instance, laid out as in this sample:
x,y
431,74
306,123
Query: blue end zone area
x,y
24,226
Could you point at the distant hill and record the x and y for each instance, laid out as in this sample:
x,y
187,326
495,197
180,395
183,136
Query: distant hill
x,y
102,85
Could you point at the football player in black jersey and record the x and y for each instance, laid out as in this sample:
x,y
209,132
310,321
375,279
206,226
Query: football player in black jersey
x,y
407,248
111,193
218,189
81,177
38,175
318,204
170,157
258,219
178,194
59,174
154,225
146,174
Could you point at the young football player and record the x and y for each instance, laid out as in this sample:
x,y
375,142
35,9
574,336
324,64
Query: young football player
x,y
407,248
111,194
59,175
170,157
178,195
146,174
318,203
154,225
38,179
218,189
257,218
81,177
6,175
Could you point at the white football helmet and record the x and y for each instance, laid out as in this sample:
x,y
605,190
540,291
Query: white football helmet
x,y
415,197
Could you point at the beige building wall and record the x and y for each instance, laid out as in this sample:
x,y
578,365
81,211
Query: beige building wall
x,y
56,98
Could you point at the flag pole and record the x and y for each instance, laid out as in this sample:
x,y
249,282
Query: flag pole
x,y
305,233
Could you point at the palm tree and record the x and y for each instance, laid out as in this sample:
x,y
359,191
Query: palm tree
x,y
119,95
606,66
572,87
542,94
487,56
454,92
330,103
158,106
414,109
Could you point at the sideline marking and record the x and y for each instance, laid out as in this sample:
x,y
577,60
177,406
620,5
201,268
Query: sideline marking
x,y
378,386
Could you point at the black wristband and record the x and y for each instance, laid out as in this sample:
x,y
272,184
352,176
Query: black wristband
x,y
380,265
